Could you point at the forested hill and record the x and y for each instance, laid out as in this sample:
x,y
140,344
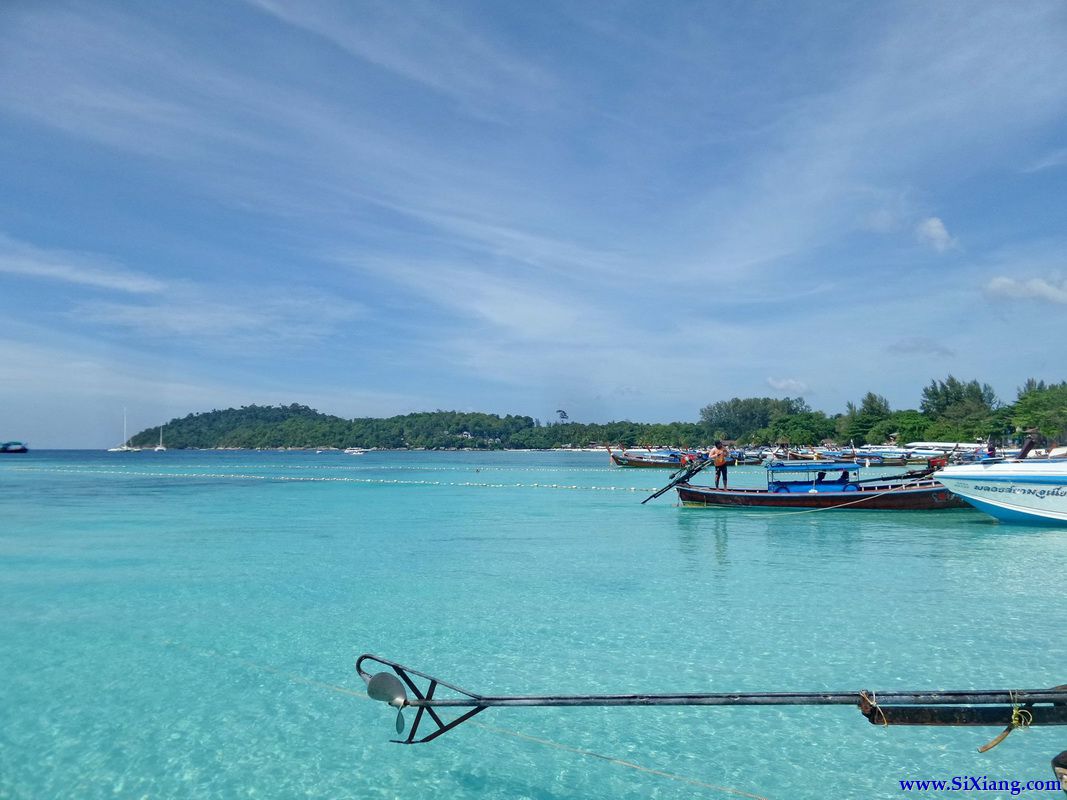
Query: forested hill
x,y
950,410
298,426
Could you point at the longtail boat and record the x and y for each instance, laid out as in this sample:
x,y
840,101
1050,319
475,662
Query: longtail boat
x,y
827,485
657,459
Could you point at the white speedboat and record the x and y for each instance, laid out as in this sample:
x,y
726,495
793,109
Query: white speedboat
x,y
1026,490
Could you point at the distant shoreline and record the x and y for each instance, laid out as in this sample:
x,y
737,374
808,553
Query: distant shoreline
x,y
337,450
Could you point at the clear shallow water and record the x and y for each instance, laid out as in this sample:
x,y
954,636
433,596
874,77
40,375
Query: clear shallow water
x,y
185,624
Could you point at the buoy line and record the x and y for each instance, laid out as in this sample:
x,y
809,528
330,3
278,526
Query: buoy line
x,y
238,476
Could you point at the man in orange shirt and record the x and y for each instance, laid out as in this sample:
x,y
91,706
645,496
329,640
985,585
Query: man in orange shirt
x,y
719,455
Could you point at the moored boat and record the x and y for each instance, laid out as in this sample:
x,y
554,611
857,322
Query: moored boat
x,y
811,485
807,455
1024,490
884,456
8,448
663,459
749,457
125,447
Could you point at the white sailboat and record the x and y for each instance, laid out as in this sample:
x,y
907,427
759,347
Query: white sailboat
x,y
159,448
125,446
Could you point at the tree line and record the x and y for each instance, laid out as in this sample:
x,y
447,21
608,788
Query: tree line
x,y
949,410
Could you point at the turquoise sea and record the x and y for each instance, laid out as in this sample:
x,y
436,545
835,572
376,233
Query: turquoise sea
x,y
185,624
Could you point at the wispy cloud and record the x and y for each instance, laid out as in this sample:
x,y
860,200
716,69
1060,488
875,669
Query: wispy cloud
x,y
824,150
282,149
919,346
932,231
791,385
511,300
1057,158
881,220
429,44
213,313
27,261
113,78
1052,290
926,72
262,319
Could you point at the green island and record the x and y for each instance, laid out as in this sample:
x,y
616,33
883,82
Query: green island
x,y
950,410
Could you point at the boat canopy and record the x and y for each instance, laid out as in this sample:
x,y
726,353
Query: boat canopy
x,y
812,466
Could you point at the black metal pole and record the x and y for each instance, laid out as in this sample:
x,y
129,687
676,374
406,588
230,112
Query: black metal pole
x,y
1012,708
985,697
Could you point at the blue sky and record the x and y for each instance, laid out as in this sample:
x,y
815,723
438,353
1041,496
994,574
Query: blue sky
x,y
626,210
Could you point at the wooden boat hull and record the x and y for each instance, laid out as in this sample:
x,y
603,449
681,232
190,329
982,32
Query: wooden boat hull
x,y
921,496
631,460
637,461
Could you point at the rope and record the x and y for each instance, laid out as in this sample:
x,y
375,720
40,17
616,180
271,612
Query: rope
x,y
237,476
301,679
872,699
1021,717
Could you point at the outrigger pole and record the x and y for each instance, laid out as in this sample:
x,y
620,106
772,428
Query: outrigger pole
x,y
1002,707
681,476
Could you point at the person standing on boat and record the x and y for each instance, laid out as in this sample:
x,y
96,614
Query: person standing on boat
x,y
719,455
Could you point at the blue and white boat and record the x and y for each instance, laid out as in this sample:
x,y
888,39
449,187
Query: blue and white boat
x,y
823,485
1025,490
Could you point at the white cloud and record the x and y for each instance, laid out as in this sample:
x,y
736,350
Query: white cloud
x,y
19,258
791,385
932,231
1053,291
